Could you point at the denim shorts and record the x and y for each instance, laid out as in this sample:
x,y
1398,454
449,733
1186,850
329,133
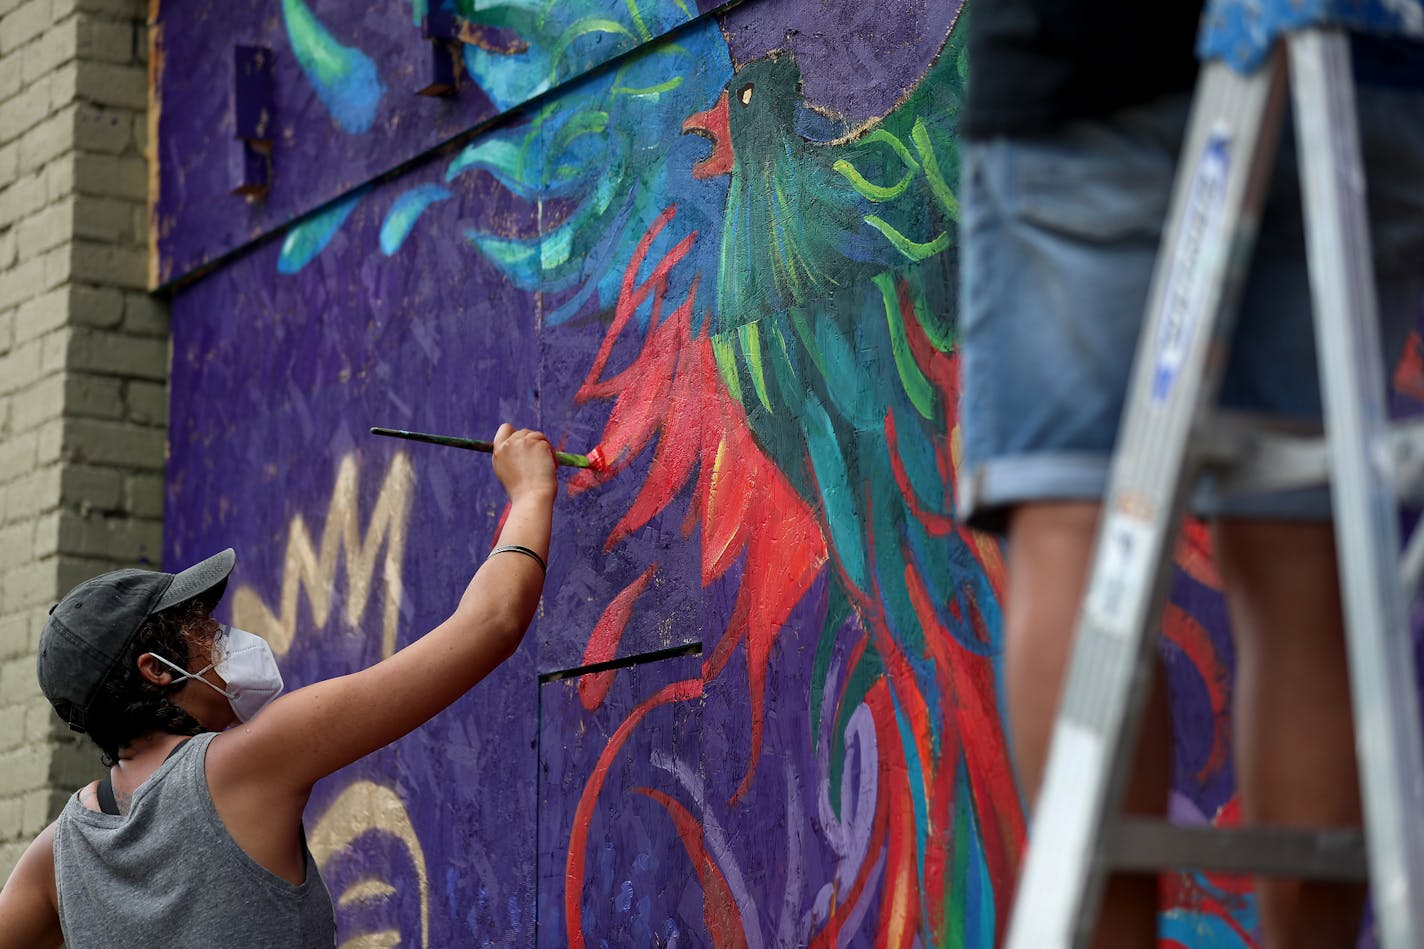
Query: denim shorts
x,y
1058,239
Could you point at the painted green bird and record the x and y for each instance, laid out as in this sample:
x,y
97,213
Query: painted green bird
x,y
833,327
813,206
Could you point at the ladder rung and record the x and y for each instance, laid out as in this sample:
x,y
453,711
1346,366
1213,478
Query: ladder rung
x,y
1251,455
1146,844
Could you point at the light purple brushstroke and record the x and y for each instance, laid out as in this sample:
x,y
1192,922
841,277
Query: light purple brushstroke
x,y
715,840
850,836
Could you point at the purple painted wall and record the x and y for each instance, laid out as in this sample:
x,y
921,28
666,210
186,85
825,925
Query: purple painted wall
x,y
344,75
755,322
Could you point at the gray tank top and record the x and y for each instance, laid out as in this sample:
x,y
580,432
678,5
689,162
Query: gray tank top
x,y
169,874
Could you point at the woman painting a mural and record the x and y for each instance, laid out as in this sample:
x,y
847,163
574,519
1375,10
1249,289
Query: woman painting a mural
x,y
196,837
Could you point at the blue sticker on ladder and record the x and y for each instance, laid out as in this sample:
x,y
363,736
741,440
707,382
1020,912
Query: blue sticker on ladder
x,y
1242,32
1197,254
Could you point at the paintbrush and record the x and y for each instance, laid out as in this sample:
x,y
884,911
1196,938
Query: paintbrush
x,y
593,460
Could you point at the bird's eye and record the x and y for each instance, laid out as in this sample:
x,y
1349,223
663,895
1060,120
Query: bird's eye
x,y
745,94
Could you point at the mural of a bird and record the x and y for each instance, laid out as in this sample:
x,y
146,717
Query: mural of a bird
x,y
832,326
823,364
798,363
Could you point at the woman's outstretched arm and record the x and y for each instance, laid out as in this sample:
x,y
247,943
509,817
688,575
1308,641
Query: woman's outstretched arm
x,y
309,733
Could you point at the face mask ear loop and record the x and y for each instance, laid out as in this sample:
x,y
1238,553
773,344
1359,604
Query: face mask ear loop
x,y
190,675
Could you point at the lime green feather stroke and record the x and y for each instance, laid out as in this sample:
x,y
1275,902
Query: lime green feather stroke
x,y
914,250
937,328
789,257
642,26
750,336
585,27
786,369
637,16
584,122
725,354
646,55
808,340
648,91
917,387
921,137
869,189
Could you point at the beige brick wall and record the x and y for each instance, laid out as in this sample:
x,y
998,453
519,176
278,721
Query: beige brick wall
x,y
83,358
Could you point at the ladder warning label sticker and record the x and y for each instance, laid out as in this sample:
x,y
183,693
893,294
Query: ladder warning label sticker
x,y
1121,570
1198,246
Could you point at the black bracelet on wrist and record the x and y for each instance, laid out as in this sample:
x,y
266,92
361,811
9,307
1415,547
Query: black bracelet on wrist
x,y
517,549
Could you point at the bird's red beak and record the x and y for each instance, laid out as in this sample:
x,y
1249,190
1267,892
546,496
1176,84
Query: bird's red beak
x,y
714,126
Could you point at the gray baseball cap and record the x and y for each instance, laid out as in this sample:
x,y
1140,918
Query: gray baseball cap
x,y
89,630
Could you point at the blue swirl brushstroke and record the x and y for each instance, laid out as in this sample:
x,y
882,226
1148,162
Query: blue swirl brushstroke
x,y
506,160
345,79
510,79
309,238
604,182
404,212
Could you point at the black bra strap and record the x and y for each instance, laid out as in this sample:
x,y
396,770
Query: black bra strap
x,y
107,804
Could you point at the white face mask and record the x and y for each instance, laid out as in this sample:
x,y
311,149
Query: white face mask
x,y
246,664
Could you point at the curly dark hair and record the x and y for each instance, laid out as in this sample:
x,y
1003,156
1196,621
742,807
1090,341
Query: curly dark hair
x,y
128,706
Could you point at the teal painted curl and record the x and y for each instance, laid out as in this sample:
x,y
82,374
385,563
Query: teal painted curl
x,y
345,79
309,238
405,212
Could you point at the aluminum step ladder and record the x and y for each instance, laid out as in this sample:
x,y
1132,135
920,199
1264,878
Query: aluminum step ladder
x,y
1253,50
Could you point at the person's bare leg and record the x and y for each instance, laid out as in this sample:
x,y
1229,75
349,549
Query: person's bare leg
x,y
1294,730
1050,546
